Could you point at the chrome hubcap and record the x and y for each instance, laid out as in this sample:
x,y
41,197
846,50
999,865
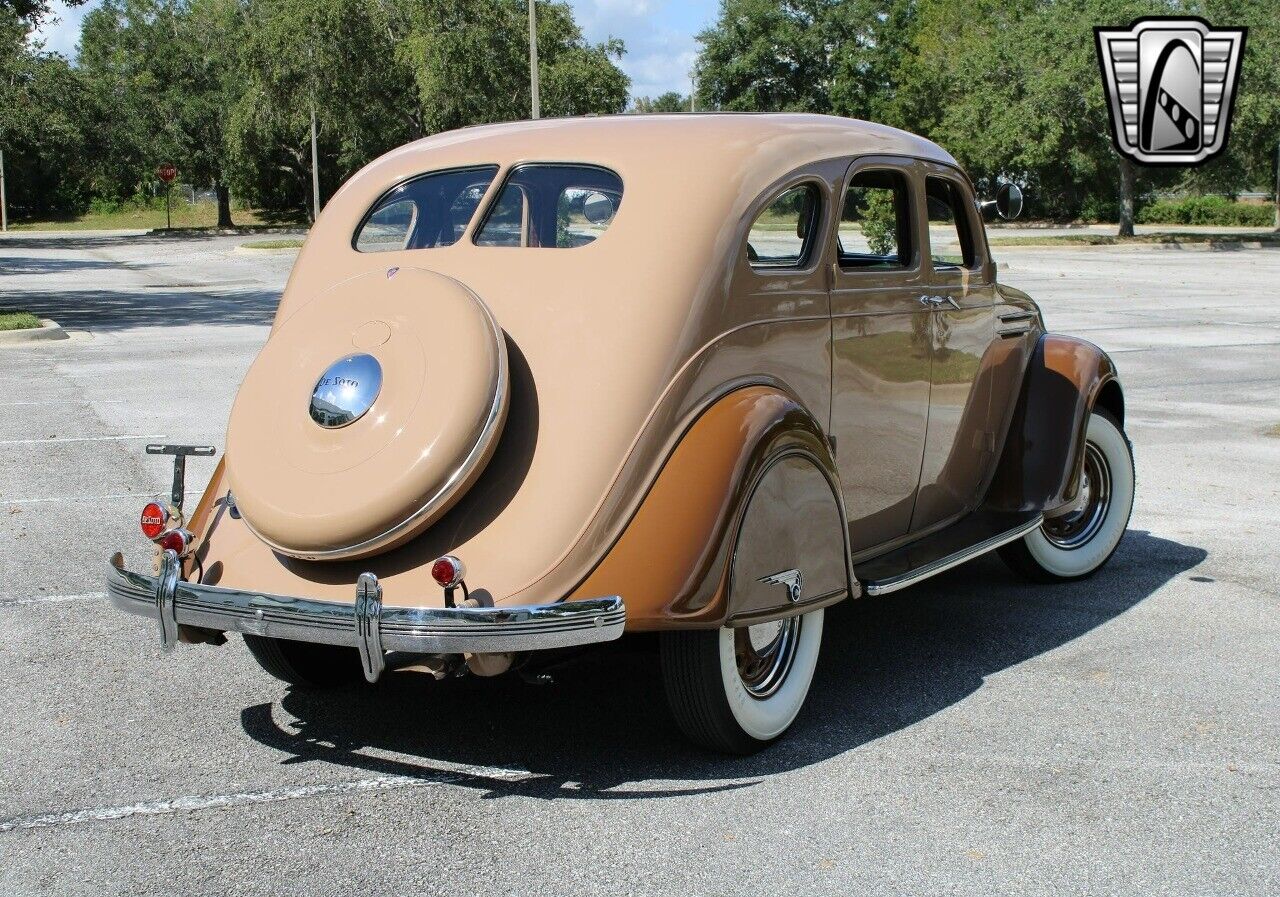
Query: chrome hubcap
x,y
765,652
1078,527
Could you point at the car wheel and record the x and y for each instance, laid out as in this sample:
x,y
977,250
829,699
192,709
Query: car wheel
x,y
305,664
737,690
1076,545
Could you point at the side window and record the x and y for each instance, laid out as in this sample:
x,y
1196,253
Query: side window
x,y
875,221
552,206
950,242
783,234
431,210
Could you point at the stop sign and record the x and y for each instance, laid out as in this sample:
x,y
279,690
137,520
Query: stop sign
x,y
166,172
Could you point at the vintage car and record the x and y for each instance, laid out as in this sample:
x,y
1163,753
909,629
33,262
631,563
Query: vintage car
x,y
532,386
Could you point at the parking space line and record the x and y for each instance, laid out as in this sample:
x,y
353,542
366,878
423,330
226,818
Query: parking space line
x,y
51,599
56,439
196,803
159,492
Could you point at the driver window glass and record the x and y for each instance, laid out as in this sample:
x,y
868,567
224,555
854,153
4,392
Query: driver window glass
x,y
428,211
782,235
950,244
875,221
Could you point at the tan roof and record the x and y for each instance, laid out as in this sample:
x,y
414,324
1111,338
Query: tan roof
x,y
730,137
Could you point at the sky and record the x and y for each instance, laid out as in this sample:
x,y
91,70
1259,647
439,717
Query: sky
x,y
659,34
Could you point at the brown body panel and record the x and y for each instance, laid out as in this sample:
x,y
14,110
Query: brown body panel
x,y
658,381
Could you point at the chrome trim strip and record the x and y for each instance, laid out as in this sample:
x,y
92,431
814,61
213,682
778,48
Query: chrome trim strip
x,y
894,583
365,624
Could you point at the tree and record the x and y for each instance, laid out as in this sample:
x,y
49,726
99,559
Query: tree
x,y
45,132
31,12
170,72
666,102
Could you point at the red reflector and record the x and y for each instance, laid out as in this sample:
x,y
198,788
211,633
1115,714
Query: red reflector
x,y
152,520
174,540
448,571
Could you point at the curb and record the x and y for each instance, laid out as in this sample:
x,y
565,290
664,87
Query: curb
x,y
47,331
248,230
264,250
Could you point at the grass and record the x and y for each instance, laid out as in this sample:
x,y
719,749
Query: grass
x,y
1109,240
18,320
273,244
202,214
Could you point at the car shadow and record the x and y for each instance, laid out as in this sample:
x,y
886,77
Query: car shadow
x,y
108,309
602,729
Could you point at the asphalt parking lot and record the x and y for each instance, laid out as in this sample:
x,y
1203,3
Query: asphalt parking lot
x,y
971,735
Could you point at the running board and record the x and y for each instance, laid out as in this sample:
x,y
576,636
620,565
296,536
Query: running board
x,y
975,535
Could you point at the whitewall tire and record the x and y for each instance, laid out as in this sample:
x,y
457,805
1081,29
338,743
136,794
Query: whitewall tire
x,y
1076,545
739,689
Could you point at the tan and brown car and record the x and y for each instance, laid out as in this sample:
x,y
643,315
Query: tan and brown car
x,y
533,386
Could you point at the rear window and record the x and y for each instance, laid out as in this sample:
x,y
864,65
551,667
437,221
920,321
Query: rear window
x,y
552,206
430,210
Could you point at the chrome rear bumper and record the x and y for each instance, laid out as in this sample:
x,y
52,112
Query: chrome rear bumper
x,y
364,624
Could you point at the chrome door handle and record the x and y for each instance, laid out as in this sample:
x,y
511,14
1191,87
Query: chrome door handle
x,y
939,301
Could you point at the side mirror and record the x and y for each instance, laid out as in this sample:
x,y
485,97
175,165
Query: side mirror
x,y
597,208
1008,202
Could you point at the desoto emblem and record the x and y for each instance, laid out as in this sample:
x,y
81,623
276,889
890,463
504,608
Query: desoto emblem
x,y
789,578
1170,83
346,390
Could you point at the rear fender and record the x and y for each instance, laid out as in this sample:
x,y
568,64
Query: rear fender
x,y
755,464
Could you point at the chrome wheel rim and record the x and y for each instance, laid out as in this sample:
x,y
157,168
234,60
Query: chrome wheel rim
x,y
1077,528
765,653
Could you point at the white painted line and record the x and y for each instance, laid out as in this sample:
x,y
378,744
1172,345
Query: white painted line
x,y
158,495
61,401
55,439
52,599
194,803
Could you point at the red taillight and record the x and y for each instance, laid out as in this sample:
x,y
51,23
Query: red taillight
x,y
175,540
448,571
153,520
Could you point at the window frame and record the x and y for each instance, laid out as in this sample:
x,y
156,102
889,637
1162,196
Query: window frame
x,y
904,173
456,169
815,242
500,185
967,226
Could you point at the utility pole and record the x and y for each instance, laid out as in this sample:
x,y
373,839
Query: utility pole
x,y
533,60
315,168
693,93
4,209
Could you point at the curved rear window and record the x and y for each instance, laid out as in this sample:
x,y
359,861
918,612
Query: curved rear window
x,y
429,210
552,206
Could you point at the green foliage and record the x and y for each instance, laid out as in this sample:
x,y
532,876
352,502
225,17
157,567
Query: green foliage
x,y
879,222
1010,87
224,89
18,320
1208,210
667,102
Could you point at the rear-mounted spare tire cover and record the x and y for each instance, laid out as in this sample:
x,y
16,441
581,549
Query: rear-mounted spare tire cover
x,y
367,415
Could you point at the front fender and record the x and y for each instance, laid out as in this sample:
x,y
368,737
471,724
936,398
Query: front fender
x,y
1039,468
674,562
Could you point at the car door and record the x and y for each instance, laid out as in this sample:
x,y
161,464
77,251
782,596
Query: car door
x,y
880,349
959,443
